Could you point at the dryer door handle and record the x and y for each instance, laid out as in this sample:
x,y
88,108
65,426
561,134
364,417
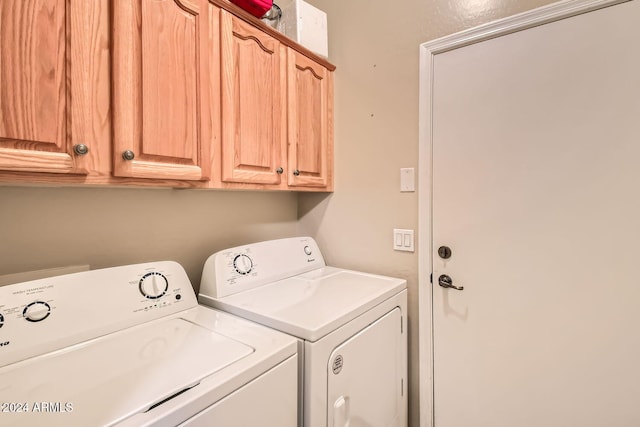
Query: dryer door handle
x,y
341,412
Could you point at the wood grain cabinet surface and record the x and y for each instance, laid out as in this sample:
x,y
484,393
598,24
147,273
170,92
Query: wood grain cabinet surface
x,y
254,114
160,93
47,105
310,105
181,93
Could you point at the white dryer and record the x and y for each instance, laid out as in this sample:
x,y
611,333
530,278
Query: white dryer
x,y
130,346
351,327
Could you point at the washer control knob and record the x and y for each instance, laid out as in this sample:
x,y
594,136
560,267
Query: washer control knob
x,y
243,264
307,250
153,285
36,311
1,320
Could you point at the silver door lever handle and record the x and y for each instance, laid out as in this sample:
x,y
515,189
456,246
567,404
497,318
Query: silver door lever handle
x,y
447,282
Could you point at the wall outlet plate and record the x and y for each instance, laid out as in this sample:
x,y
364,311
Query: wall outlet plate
x,y
407,180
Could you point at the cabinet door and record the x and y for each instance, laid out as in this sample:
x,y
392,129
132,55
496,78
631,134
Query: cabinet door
x,y
253,95
35,118
310,118
160,94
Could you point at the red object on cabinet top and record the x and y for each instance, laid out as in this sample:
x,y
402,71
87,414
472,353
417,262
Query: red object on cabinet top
x,y
255,7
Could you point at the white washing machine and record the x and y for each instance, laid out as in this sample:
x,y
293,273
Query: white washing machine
x,y
130,346
350,326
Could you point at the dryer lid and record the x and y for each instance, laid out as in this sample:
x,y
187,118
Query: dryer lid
x,y
313,304
108,379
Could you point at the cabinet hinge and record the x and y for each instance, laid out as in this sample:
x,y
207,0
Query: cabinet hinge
x,y
431,278
402,387
401,325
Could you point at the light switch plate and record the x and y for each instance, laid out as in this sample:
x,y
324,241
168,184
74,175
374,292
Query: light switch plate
x,y
407,180
403,240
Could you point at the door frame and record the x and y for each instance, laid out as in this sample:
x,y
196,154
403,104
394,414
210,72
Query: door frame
x,y
428,51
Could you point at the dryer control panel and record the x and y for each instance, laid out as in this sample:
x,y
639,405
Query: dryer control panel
x,y
246,267
47,314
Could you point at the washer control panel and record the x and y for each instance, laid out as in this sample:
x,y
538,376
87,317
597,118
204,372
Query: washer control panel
x,y
245,267
47,314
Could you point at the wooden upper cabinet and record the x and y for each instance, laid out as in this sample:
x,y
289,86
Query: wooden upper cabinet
x,y
36,132
157,92
310,119
160,90
253,94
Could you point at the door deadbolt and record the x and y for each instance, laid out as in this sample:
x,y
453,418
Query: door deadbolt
x,y
444,252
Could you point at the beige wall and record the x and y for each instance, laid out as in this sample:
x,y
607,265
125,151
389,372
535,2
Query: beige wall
x,y
374,44
52,227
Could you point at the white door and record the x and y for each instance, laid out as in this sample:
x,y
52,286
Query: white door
x,y
536,191
364,386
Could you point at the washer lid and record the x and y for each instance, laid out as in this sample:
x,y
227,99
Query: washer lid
x,y
313,304
106,380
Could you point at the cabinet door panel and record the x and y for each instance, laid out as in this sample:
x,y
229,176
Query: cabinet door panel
x,y
160,104
253,120
35,88
310,134
309,121
169,72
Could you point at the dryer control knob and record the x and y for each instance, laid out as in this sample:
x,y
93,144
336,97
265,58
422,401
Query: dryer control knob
x,y
243,264
1,320
153,285
36,311
307,250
